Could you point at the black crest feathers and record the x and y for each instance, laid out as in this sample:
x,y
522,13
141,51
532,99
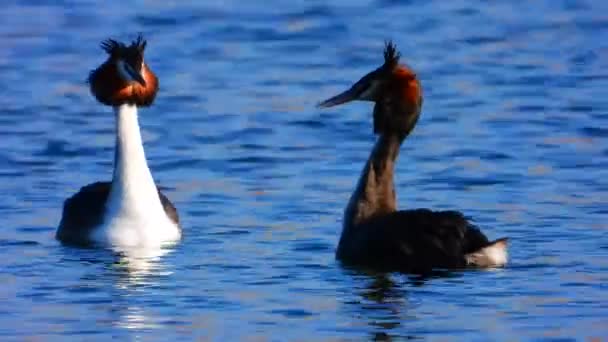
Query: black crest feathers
x,y
391,55
118,49
139,43
111,46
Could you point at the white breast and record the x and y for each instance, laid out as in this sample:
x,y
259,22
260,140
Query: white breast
x,y
126,229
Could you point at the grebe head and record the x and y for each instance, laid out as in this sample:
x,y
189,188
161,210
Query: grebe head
x,y
124,78
394,88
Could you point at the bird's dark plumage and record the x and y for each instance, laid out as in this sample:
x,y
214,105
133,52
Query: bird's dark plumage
x,y
412,241
84,211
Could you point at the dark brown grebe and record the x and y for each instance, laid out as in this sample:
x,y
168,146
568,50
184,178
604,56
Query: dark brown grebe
x,y
374,233
129,210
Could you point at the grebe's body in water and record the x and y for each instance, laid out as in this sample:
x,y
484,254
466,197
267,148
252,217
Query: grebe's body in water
x,y
374,233
129,210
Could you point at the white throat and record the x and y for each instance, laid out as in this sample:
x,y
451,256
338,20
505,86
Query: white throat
x,y
134,213
133,188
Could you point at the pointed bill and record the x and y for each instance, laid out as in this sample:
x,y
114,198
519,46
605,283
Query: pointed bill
x,y
347,96
128,74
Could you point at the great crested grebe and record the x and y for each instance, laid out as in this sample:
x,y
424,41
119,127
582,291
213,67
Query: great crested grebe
x,y
130,210
374,233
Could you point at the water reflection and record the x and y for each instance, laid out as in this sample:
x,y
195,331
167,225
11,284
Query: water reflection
x,y
380,301
382,289
138,263
134,317
384,302
138,268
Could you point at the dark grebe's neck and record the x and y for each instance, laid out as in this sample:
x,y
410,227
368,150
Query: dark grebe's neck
x,y
375,192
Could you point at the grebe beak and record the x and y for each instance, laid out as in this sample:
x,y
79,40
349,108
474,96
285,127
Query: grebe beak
x,y
347,96
364,90
128,74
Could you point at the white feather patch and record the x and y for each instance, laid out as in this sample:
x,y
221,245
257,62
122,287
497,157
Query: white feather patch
x,y
493,255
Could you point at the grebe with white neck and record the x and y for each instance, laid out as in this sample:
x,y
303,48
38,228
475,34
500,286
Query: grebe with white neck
x,y
374,233
130,210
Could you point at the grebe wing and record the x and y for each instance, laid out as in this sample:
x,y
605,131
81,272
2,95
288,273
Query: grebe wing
x,y
170,209
417,240
82,213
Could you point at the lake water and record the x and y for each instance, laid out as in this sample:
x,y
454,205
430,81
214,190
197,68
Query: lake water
x,y
513,133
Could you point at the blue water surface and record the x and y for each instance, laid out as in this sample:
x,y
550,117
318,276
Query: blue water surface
x,y
513,132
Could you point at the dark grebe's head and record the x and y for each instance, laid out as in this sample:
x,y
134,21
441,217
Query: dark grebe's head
x,y
124,78
396,91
